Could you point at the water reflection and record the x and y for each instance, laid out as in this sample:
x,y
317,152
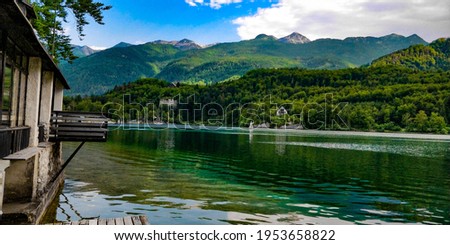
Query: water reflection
x,y
280,146
233,177
167,140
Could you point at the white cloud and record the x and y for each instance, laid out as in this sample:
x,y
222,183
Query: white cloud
x,y
98,48
215,4
315,19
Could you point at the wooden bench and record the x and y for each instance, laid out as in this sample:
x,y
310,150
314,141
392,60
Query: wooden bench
x,y
24,154
78,127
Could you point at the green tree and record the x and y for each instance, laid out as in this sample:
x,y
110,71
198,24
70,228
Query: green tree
x,y
49,23
421,121
437,123
361,117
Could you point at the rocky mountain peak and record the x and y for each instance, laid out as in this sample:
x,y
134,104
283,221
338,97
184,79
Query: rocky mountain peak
x,y
184,44
295,38
187,44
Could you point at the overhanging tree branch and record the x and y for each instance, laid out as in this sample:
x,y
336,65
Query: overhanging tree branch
x,y
52,13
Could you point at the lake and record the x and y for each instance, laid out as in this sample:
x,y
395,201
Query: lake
x,y
261,177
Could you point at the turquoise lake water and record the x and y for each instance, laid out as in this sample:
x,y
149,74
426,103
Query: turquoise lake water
x,y
260,177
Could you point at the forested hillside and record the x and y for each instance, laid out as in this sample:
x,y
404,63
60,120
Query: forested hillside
x,y
435,56
186,62
387,98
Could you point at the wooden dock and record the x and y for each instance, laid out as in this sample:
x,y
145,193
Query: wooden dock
x,y
129,220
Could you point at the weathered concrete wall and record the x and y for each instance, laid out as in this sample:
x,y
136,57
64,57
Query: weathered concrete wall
x,y
45,158
49,203
49,164
33,92
19,181
29,180
59,94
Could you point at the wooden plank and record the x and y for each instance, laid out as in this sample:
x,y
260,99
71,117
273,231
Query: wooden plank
x,y
144,220
110,222
77,139
127,221
136,220
80,133
80,115
24,154
13,129
77,124
90,114
102,222
45,144
76,129
93,222
119,221
87,134
79,119
76,114
84,135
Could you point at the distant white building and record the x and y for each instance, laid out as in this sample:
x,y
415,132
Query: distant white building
x,y
168,102
282,112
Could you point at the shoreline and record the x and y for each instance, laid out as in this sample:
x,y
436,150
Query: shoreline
x,y
399,135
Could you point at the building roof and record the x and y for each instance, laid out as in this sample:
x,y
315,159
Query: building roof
x,y
19,29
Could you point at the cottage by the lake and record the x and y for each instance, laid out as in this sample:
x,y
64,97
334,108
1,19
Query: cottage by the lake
x,y
32,124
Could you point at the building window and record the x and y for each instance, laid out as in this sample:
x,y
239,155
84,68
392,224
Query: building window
x,y
13,81
6,96
2,74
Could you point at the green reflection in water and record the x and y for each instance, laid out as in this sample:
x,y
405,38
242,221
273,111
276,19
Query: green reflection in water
x,y
265,177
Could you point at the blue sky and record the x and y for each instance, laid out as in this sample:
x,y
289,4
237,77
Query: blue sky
x,y
212,21
140,21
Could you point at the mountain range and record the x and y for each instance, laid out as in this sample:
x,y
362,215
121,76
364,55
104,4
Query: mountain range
x,y
186,61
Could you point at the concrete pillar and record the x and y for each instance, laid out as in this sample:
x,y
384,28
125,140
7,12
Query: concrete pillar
x,y
21,95
32,103
58,96
3,165
15,99
46,100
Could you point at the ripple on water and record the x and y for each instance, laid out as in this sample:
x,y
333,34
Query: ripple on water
x,y
414,150
286,178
